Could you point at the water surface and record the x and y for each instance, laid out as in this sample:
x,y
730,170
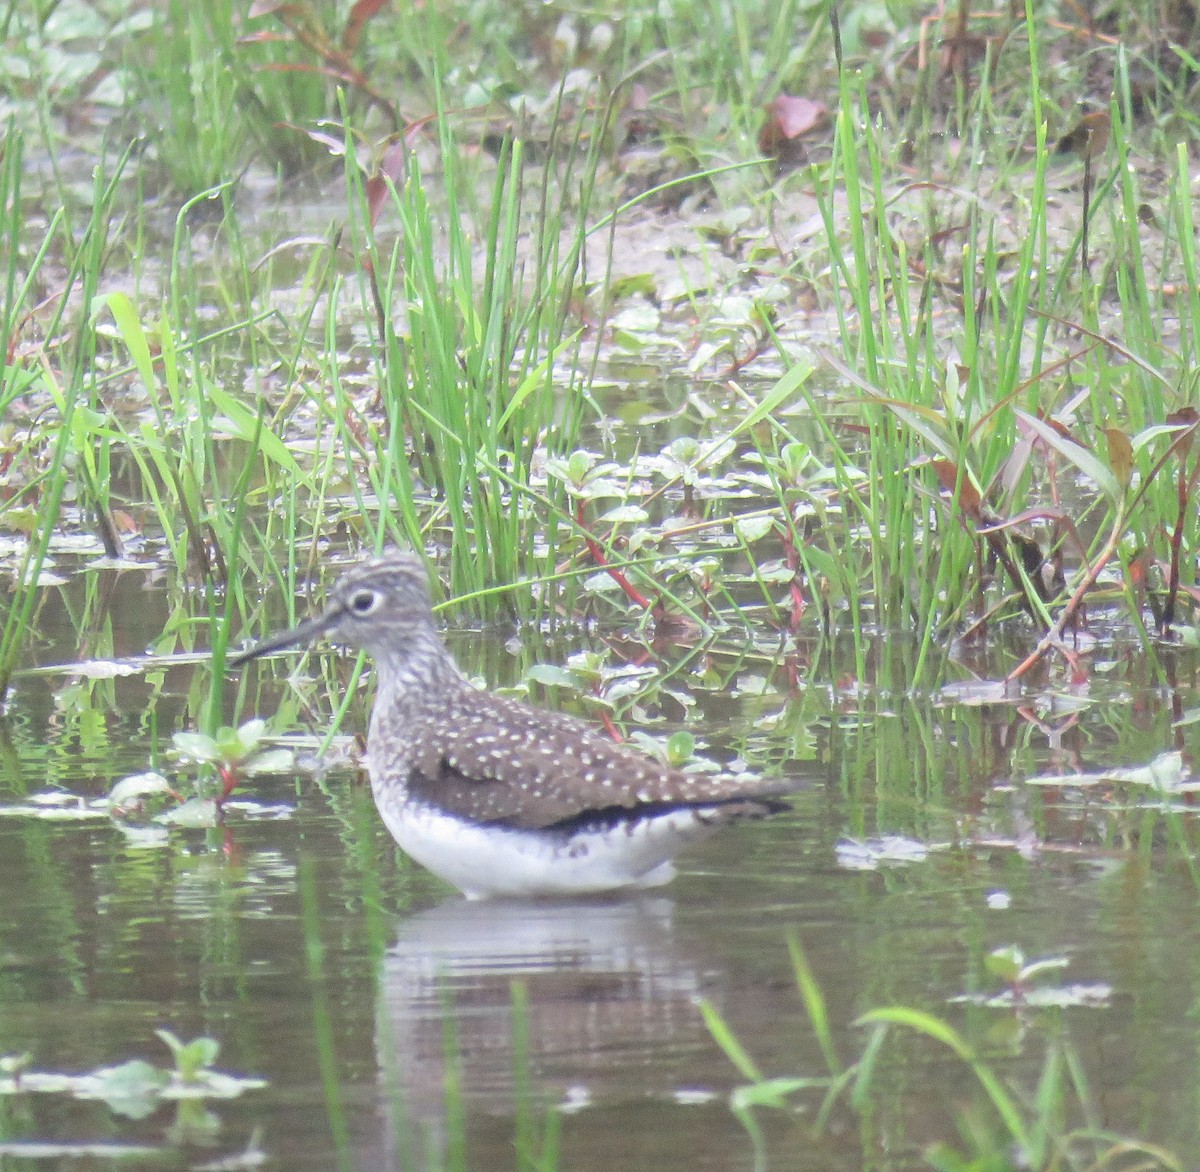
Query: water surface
x,y
397,1025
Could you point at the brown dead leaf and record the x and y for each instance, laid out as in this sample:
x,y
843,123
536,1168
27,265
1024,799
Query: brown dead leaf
x,y
359,15
1061,428
1184,417
1088,137
392,166
124,523
787,118
1120,455
968,495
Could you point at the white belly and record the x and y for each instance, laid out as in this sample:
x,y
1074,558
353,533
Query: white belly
x,y
486,861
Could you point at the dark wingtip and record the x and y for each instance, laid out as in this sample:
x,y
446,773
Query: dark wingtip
x,y
761,801
751,806
768,806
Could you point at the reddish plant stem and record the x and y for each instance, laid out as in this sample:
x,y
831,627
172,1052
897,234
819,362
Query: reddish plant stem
x,y
1168,614
610,727
631,591
229,781
792,558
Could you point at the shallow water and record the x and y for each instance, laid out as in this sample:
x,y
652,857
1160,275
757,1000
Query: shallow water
x,y
397,1025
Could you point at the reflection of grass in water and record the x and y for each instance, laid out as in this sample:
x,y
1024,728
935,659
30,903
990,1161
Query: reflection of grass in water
x,y
323,1029
536,1129
443,1145
1005,1128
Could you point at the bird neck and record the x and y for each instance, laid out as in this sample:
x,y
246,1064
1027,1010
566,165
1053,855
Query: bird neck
x,y
415,676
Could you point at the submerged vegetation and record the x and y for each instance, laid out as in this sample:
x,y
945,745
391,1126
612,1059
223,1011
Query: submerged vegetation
x,y
847,342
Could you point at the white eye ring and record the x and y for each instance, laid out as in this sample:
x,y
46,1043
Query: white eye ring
x,y
364,602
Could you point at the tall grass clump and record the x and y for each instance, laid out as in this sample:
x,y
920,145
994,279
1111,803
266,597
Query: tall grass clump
x,y
186,94
921,400
58,449
202,453
726,60
1016,428
471,307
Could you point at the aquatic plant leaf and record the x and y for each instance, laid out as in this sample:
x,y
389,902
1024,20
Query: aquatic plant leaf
x,y
579,464
197,746
190,1057
625,515
195,813
681,746
926,1023
635,284
780,574
130,1089
239,421
536,378
273,761
751,529
788,384
55,806
1005,964
922,1022
213,1084
872,853
129,326
1166,773
772,1092
128,790
106,1155
1181,433
1039,968
725,1038
242,741
105,669
642,318
552,676
1079,995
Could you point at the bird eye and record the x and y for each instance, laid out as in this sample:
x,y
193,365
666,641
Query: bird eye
x,y
363,602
